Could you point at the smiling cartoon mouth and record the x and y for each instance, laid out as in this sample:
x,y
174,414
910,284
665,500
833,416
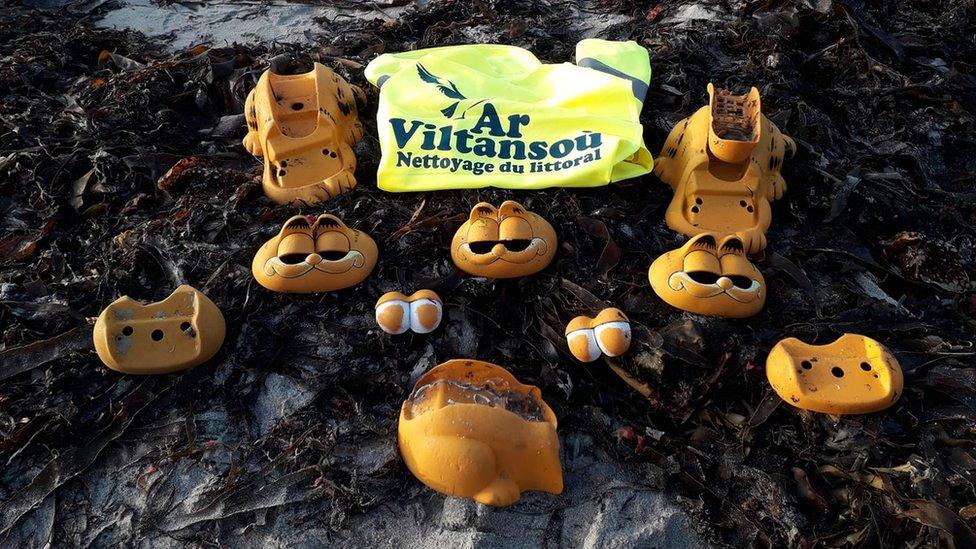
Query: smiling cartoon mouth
x,y
485,252
331,262
705,284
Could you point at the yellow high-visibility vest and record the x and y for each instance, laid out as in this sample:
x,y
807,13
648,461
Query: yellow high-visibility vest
x,y
485,115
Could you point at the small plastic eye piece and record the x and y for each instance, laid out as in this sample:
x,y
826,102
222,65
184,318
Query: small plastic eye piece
x,y
393,314
581,339
608,333
425,315
420,312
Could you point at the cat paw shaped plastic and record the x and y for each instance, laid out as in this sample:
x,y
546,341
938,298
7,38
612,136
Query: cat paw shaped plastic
x,y
311,255
470,429
419,312
710,276
179,332
504,242
853,375
305,126
608,333
724,165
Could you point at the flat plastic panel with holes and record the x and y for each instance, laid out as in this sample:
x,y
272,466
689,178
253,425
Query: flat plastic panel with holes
x,y
177,333
853,375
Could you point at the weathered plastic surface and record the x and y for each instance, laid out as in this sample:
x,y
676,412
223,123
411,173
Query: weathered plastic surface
x,y
724,165
177,333
608,333
710,276
420,312
853,375
304,125
504,242
458,436
311,255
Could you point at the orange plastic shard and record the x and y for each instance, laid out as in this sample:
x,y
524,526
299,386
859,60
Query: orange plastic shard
x,y
305,126
504,242
311,255
179,332
470,429
724,165
419,312
710,276
608,333
853,375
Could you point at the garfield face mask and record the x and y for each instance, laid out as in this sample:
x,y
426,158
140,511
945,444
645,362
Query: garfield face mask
x,y
710,277
314,255
503,242
177,333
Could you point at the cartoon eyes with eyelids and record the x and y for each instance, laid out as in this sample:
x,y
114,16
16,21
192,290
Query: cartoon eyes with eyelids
x,y
607,333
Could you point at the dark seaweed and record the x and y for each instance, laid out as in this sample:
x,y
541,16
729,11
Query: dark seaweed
x,y
122,173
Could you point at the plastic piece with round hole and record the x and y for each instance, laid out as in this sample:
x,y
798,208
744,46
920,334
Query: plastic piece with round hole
x,y
304,125
724,165
470,429
853,375
177,333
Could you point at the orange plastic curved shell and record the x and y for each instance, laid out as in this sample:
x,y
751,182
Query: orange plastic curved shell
x,y
709,276
853,375
606,334
304,125
311,255
724,165
504,242
419,312
179,332
470,429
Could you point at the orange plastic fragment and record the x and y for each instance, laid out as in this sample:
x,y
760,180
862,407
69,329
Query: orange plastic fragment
x,y
305,126
179,332
724,165
853,375
470,429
